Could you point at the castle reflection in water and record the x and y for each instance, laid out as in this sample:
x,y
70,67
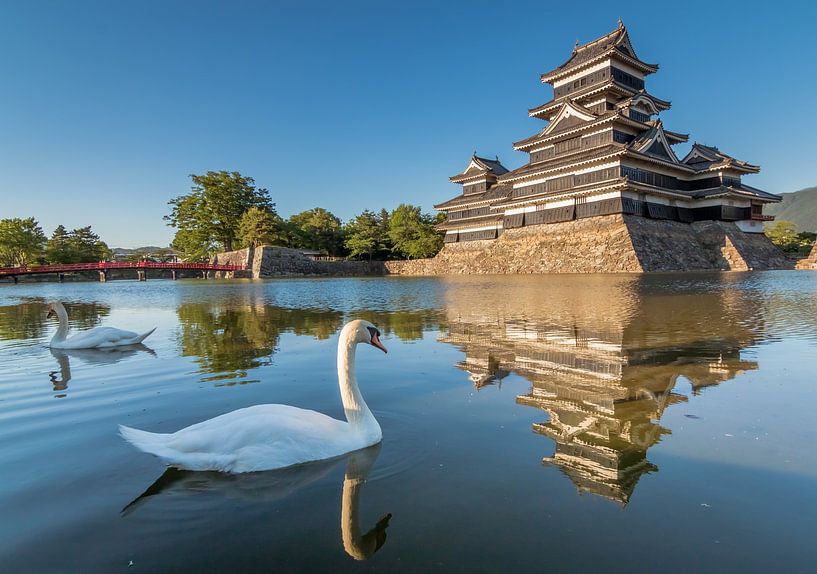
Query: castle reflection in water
x,y
604,356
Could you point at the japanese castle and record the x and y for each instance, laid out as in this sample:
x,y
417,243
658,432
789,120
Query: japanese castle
x,y
604,151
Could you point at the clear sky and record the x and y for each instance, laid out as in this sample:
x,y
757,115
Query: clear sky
x,y
107,107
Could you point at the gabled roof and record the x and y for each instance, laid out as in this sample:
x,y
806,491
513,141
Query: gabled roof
x,y
479,166
544,136
642,96
655,142
674,137
703,157
616,43
569,116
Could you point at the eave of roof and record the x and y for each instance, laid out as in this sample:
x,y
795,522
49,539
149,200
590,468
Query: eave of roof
x,y
742,191
579,158
469,222
542,137
589,91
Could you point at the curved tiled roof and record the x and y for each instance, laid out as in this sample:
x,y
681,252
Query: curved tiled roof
x,y
617,41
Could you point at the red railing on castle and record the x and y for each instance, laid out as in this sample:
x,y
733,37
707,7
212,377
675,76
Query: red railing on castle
x,y
106,265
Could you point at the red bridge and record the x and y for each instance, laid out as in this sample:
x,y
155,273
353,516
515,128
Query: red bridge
x,y
103,267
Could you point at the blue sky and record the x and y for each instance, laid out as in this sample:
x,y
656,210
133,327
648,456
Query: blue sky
x,y
107,107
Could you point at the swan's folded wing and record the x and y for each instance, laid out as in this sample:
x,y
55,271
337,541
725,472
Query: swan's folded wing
x,y
266,436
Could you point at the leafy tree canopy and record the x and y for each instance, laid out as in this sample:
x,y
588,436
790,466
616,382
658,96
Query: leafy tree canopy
x,y
784,235
21,242
364,235
211,212
412,233
260,227
80,245
316,229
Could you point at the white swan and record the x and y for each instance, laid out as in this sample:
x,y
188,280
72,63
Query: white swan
x,y
264,437
97,337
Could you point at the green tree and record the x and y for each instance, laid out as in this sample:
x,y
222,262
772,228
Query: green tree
x,y
85,246
258,227
57,249
211,212
22,241
363,235
193,245
783,234
412,233
317,229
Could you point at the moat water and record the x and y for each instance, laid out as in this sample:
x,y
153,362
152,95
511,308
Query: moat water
x,y
556,423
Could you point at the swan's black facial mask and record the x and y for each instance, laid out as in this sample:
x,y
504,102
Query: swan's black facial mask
x,y
51,313
375,336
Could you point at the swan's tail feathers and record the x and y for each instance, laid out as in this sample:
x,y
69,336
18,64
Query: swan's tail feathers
x,y
151,442
143,336
158,444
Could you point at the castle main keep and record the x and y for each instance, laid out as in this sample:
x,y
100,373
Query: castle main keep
x,y
603,190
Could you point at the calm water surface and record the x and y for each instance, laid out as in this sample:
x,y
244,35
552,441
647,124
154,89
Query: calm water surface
x,y
568,424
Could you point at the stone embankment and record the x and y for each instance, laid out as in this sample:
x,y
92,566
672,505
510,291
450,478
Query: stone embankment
x,y
809,262
268,261
608,244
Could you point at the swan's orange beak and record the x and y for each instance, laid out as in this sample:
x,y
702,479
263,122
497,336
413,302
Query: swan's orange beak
x,y
376,342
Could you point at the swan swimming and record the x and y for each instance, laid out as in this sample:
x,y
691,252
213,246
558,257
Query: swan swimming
x,y
265,437
97,337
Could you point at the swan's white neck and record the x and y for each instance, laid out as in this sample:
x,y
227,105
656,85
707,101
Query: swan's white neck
x,y
62,330
357,412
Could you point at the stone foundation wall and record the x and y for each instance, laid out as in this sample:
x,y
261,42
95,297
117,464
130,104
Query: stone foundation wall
x,y
809,262
268,261
607,244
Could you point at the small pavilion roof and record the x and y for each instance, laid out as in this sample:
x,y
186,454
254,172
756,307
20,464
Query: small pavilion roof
x,y
703,157
479,166
616,42
741,190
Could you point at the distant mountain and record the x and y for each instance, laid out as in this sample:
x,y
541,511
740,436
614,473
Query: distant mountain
x,y
799,207
125,251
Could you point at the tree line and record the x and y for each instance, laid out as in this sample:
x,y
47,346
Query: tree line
x,y
225,211
784,234
23,242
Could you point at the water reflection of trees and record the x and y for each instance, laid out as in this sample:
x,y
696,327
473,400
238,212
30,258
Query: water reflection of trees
x,y
234,339
405,325
27,320
230,339
604,356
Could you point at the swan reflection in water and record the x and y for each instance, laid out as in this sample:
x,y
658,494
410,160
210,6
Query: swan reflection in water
x,y
274,485
106,356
